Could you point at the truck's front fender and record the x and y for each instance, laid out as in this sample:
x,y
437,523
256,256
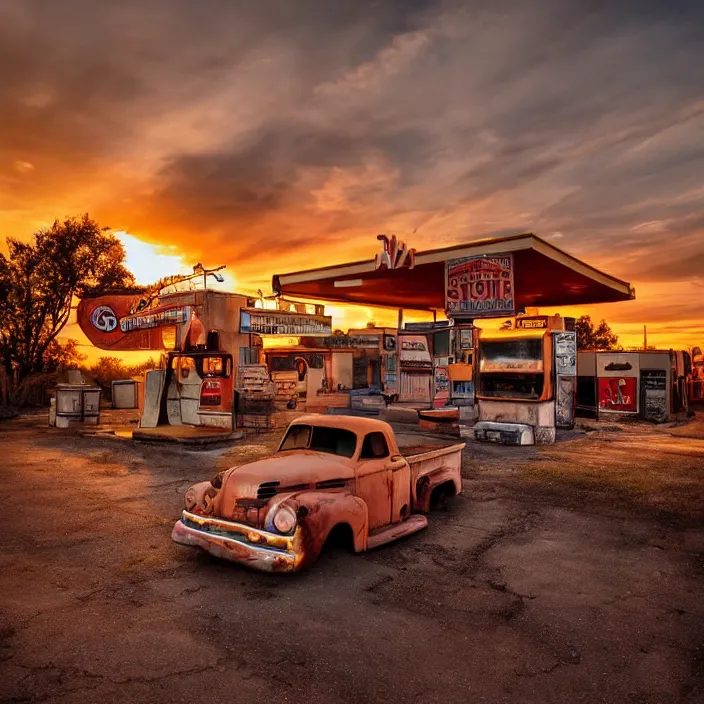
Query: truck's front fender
x,y
200,498
320,511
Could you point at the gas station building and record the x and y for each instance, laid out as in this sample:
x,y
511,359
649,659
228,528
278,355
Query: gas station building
x,y
519,384
515,385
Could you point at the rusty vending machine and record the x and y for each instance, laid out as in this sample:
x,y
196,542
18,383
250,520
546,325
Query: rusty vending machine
x,y
527,376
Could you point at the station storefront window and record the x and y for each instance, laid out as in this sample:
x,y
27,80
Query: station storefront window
x,y
512,368
441,344
520,386
509,355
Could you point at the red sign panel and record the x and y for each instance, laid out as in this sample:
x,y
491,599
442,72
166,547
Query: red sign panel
x,y
618,394
480,287
109,324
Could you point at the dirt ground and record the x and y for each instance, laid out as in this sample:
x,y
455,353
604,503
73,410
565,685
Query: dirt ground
x,y
570,573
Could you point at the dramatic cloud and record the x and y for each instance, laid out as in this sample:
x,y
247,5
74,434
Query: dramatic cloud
x,y
282,135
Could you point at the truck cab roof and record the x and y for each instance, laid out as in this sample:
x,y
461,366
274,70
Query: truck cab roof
x,y
356,424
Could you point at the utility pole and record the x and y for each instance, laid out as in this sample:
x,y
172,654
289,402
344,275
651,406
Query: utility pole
x,y
645,338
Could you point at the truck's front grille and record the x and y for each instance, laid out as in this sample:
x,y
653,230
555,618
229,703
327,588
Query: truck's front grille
x,y
250,503
268,490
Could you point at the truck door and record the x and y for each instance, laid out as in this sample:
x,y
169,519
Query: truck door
x,y
383,481
401,488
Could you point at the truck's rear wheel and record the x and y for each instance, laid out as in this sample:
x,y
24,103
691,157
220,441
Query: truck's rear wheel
x,y
440,495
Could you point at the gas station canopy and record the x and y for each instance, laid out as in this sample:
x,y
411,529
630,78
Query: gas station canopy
x,y
543,275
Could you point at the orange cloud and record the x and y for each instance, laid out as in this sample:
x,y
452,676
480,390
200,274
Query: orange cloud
x,y
279,139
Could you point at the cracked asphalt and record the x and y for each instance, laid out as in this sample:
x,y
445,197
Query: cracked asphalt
x,y
565,573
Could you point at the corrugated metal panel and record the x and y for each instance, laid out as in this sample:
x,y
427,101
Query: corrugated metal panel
x,y
415,387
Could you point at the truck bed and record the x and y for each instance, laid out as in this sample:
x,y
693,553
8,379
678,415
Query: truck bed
x,y
434,462
416,447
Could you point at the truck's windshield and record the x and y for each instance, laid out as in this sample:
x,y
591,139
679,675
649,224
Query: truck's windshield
x,y
336,441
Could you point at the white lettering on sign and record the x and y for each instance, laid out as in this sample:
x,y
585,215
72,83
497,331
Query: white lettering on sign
x,y
413,345
480,285
281,323
394,254
104,319
144,321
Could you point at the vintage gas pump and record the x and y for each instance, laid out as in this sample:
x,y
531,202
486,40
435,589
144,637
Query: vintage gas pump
x,y
564,346
196,387
390,363
461,370
527,381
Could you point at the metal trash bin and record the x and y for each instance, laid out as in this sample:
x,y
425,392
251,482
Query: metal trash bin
x,y
91,404
124,393
76,403
68,405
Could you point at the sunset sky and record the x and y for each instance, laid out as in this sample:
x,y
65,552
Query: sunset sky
x,y
285,134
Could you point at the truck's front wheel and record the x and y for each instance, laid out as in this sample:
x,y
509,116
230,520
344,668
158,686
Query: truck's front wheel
x,y
340,539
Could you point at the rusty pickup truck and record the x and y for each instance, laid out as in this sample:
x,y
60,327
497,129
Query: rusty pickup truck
x,y
341,476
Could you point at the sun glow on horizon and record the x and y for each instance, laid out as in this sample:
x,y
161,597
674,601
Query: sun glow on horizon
x,y
149,262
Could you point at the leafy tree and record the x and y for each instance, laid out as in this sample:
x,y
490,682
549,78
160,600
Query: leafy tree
x,y
62,355
138,369
39,280
109,369
591,337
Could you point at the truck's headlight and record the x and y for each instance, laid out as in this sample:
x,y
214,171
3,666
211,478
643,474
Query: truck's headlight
x,y
284,519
